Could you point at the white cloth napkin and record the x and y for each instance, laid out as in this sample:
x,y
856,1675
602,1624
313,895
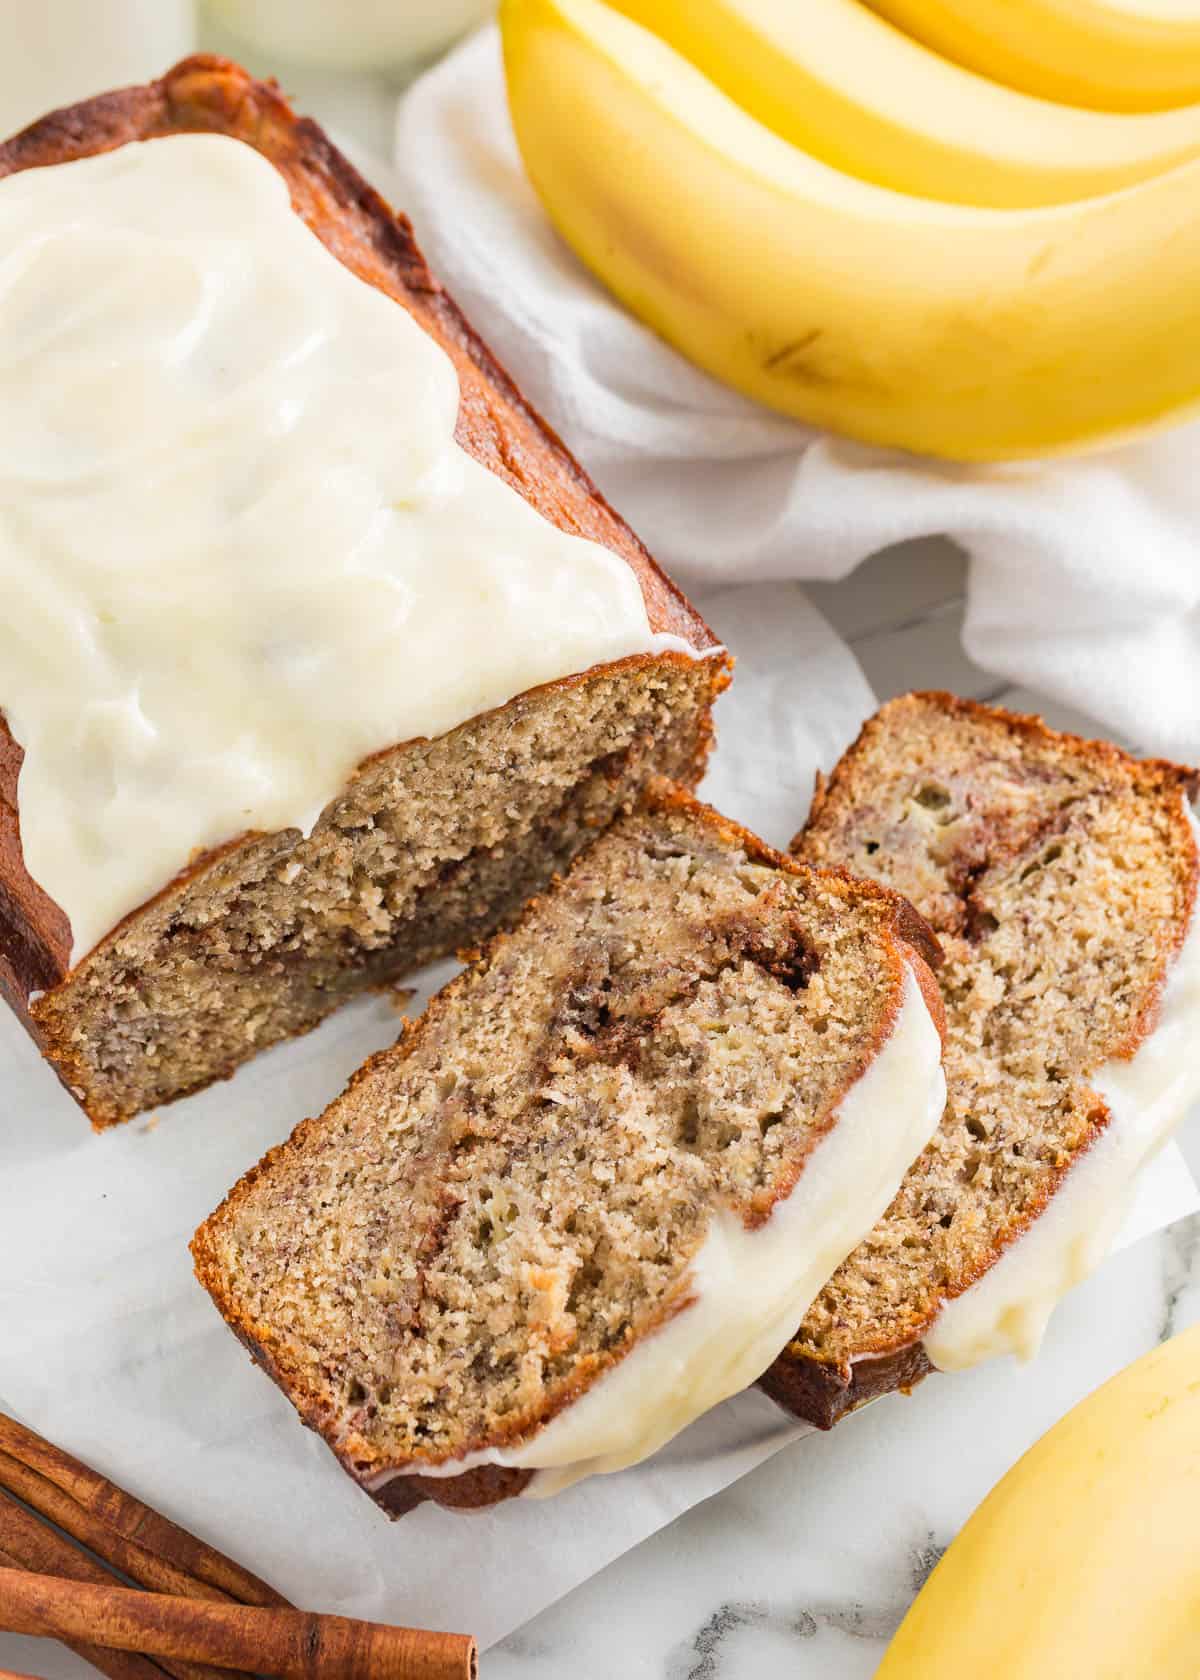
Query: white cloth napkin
x,y
1084,577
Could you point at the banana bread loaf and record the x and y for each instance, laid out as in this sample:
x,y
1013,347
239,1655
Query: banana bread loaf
x,y
1060,876
575,1206
433,842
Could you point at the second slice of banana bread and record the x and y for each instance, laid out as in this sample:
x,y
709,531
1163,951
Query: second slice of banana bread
x,y
576,1204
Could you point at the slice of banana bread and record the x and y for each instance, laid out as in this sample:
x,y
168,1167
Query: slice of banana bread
x,y
1060,876
434,842
576,1204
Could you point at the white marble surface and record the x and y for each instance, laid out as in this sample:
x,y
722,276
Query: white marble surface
x,y
805,1566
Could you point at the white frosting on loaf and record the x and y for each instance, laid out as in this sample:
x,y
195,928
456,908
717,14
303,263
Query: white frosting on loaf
x,y
240,549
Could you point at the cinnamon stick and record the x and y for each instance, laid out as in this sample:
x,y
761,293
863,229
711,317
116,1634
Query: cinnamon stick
x,y
293,1644
33,1546
129,1556
118,1665
130,1518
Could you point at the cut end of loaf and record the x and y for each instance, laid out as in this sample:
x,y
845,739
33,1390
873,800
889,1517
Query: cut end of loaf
x,y
497,1211
432,846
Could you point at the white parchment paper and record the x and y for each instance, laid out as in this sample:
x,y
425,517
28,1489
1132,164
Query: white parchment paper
x,y
108,1345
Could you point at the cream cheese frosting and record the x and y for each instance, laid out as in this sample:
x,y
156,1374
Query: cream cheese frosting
x,y
1147,1095
241,548
749,1289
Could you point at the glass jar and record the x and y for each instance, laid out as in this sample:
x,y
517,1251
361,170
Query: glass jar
x,y
54,52
376,35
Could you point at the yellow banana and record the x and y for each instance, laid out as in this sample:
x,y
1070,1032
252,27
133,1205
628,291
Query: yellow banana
x,y
1085,1560
838,81
1112,55
976,334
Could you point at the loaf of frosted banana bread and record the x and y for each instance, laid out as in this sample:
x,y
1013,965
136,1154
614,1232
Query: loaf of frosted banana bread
x,y
433,842
575,1205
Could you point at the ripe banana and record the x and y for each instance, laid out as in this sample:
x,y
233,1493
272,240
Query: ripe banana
x,y
1112,55
1085,1559
975,334
838,81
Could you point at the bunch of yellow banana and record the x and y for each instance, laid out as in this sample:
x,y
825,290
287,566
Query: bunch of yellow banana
x,y
822,211
1085,1560
1114,55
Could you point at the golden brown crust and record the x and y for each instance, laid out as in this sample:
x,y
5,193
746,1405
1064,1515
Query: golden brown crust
x,y
205,93
822,1389
474,1490
37,934
910,942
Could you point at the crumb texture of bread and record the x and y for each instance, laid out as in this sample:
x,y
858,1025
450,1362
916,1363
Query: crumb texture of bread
x,y
500,1208
430,849
1060,876
434,844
